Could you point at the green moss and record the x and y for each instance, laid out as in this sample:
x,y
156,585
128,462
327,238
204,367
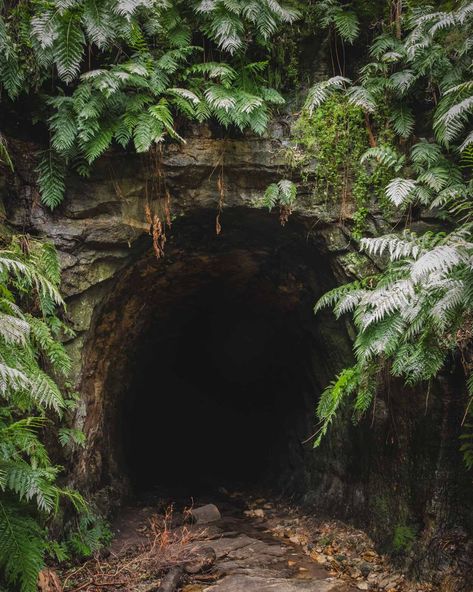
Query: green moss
x,y
359,266
381,509
326,149
403,538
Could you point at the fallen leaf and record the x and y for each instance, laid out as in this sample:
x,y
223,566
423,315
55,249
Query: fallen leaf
x,y
48,581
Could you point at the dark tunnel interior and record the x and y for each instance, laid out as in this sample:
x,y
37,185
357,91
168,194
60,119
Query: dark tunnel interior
x,y
215,393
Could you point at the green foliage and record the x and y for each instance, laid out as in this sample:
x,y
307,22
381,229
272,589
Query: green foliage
x,y
403,538
31,357
87,536
22,545
437,47
122,72
51,173
282,194
416,313
327,144
345,384
333,13
84,536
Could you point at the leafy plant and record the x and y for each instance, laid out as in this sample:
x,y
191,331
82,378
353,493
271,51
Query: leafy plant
x,y
334,14
126,71
31,358
327,143
404,537
416,313
89,534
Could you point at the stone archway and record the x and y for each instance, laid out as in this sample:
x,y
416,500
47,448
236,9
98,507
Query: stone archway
x,y
255,374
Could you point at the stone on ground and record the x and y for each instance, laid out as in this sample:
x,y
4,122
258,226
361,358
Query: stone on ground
x,y
206,514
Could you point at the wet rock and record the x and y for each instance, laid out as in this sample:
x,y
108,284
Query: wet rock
x,y
171,580
206,514
242,583
204,560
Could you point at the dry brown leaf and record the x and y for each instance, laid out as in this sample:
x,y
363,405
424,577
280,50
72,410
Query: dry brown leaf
x,y
48,581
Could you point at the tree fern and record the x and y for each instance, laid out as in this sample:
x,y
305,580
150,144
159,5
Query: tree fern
x,y
98,100
410,317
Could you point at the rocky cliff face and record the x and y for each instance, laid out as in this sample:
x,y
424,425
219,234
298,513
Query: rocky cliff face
x,y
132,312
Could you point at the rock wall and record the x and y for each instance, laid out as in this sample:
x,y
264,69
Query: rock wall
x,y
401,469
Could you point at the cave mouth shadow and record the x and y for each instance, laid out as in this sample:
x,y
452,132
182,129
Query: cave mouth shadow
x,y
212,395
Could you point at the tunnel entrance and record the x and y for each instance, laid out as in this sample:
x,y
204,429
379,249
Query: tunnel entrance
x,y
205,366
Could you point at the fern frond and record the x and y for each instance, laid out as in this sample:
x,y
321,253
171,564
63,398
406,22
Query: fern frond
x,y
441,258
386,156
13,329
402,81
399,190
51,179
321,91
346,24
22,547
336,295
398,246
361,97
426,153
69,48
402,121
345,384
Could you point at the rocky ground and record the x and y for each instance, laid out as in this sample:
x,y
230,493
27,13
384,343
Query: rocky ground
x,y
247,544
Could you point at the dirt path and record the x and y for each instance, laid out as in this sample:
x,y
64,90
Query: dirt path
x,y
255,545
247,556
250,559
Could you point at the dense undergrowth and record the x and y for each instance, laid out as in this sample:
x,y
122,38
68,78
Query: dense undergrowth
x,y
413,318
32,361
